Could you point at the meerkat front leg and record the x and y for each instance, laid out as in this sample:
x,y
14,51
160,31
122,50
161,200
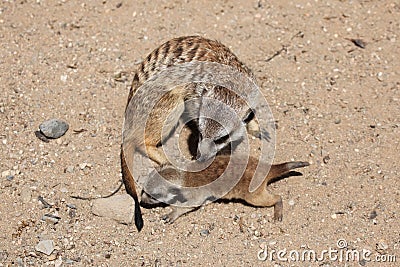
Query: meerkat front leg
x,y
176,213
253,128
156,155
266,199
162,121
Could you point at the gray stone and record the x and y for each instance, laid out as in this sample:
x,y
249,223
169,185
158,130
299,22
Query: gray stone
x,y
53,128
45,246
204,232
119,208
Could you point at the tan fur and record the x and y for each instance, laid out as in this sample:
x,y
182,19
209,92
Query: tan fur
x,y
260,197
176,51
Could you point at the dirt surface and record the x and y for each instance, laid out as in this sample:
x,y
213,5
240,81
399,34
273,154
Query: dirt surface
x,y
336,104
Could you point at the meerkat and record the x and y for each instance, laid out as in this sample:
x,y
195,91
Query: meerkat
x,y
176,197
212,135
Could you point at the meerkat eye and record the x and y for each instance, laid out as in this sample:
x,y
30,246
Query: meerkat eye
x,y
249,116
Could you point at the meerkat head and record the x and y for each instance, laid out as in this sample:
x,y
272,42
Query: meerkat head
x,y
222,120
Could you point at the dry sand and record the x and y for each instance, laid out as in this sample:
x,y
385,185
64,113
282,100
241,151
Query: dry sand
x,y
337,105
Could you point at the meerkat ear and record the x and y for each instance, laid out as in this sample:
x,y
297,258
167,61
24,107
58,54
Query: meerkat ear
x,y
249,116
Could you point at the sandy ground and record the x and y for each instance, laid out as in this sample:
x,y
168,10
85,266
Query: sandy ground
x,y
337,105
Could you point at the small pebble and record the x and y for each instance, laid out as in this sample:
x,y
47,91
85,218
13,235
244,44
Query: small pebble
x,y
58,262
20,262
71,206
5,174
3,255
119,208
52,257
45,246
204,232
82,165
291,202
50,218
381,246
63,190
373,215
69,169
358,42
53,128
379,76
362,262
26,195
64,78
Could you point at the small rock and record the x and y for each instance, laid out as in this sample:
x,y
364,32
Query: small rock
x,y
63,190
291,202
3,256
69,261
53,128
26,195
119,208
69,169
82,165
373,215
338,121
382,246
41,136
359,42
45,246
380,77
71,206
204,232
6,173
334,216
50,218
20,262
362,262
64,78
52,257
58,262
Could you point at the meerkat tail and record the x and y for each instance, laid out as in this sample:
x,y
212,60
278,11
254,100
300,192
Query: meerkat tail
x,y
280,169
295,165
131,190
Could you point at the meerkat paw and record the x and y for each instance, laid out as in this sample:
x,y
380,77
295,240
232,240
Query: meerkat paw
x,y
262,134
175,214
171,217
278,211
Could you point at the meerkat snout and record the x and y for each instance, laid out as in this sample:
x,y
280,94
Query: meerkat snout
x,y
206,149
